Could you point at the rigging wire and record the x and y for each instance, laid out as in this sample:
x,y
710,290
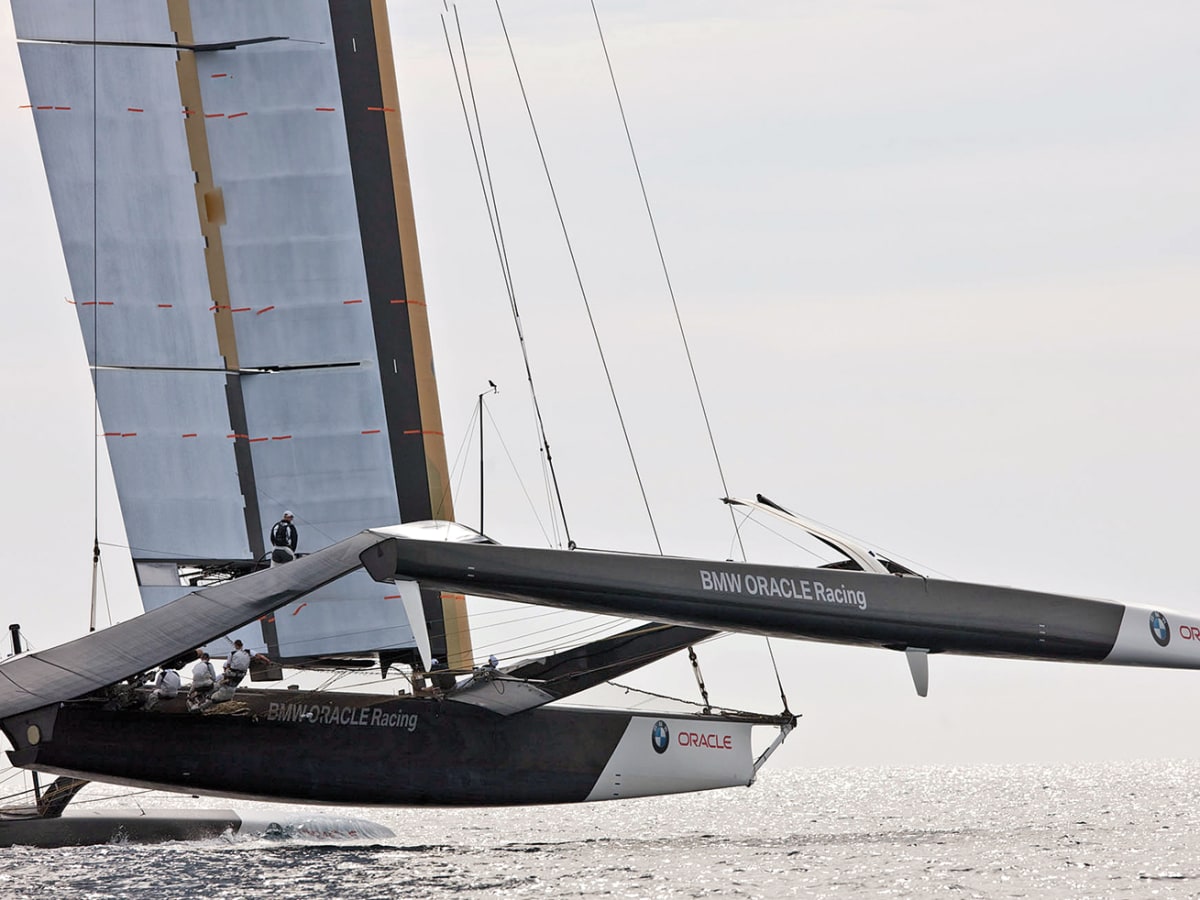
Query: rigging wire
x,y
458,469
579,280
683,337
520,481
895,557
19,794
778,679
598,626
583,624
662,259
460,458
14,773
504,643
557,632
636,690
487,186
508,609
590,631
571,640
750,519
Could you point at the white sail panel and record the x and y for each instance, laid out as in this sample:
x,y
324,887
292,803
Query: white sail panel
x,y
319,448
291,241
214,21
173,461
134,227
58,20
354,614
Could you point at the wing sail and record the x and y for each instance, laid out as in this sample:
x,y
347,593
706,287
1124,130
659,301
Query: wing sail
x,y
232,194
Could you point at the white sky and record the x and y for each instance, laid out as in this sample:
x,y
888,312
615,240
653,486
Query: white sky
x,y
938,265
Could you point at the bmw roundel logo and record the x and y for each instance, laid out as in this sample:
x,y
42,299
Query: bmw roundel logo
x,y
660,737
1160,628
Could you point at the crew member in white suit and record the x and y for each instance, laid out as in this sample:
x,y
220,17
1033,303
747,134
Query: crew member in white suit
x,y
166,686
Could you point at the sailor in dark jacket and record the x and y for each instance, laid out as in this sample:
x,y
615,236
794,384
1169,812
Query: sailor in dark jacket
x,y
283,540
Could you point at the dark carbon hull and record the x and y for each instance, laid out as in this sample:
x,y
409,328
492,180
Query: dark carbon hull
x,y
355,749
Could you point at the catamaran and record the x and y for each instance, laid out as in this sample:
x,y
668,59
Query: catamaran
x,y
244,263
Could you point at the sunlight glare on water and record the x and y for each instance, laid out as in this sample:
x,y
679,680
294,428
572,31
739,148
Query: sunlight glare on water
x,y
1113,830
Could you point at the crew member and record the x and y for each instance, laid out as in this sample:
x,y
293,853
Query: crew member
x,y
442,679
204,678
283,540
236,666
488,671
166,686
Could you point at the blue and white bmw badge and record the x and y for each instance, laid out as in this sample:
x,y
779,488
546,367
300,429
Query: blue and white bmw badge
x,y
660,737
1160,629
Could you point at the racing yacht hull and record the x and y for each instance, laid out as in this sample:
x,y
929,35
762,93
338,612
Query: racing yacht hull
x,y
363,749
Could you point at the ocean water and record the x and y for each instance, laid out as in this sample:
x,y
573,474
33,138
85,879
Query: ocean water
x,y
1112,830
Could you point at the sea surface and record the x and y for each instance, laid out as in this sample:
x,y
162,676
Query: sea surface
x,y
1111,830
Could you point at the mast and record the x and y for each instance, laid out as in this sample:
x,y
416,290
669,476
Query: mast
x,y
351,21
